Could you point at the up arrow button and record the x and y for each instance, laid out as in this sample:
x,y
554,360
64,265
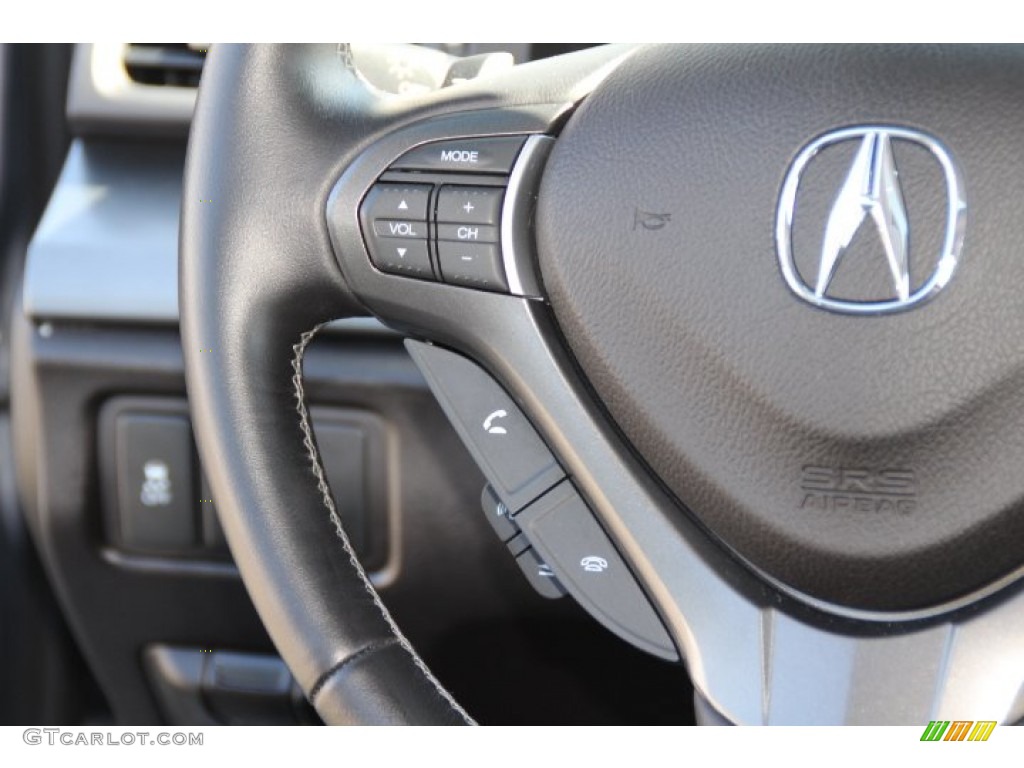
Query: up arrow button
x,y
397,201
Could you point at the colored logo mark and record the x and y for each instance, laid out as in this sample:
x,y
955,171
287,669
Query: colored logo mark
x,y
958,730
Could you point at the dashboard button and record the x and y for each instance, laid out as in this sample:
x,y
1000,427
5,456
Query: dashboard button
x,y
211,533
477,265
470,205
247,688
397,201
487,155
511,454
567,537
342,449
401,257
155,482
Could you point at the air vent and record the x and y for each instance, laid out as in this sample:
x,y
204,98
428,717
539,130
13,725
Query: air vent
x,y
170,64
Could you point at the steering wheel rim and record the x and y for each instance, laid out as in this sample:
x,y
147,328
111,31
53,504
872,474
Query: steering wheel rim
x,y
285,143
343,664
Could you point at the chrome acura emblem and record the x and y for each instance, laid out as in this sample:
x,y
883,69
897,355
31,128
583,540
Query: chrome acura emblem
x,y
872,192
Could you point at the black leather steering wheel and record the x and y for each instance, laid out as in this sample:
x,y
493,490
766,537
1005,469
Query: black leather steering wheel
x,y
821,504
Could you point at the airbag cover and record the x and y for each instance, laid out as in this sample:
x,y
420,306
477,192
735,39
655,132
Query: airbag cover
x,y
869,461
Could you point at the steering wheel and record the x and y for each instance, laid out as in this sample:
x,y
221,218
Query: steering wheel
x,y
746,315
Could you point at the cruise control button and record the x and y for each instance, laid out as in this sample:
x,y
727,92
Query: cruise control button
x,y
397,201
470,205
467,233
540,575
511,454
489,155
411,229
401,257
476,265
567,537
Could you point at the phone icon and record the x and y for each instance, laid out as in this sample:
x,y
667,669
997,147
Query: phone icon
x,y
493,429
594,564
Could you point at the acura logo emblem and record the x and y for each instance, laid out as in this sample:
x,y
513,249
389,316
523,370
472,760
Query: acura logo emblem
x,y
870,196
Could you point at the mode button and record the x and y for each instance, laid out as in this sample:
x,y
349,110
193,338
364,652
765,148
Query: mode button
x,y
490,155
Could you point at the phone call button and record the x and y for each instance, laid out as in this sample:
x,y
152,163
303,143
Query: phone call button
x,y
497,433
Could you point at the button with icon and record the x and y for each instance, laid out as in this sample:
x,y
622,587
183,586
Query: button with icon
x,y
509,451
470,205
156,496
566,535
